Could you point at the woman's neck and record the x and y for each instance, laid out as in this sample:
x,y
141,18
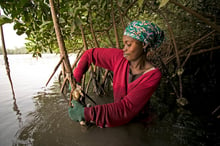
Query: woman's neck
x,y
140,65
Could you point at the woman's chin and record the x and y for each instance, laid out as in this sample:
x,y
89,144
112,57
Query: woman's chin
x,y
126,56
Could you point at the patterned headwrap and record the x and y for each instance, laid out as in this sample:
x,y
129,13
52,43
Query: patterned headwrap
x,y
146,32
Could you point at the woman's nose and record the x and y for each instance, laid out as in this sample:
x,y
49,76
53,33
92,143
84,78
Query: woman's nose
x,y
124,48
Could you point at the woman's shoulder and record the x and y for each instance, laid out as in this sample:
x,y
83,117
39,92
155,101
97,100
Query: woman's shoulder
x,y
153,73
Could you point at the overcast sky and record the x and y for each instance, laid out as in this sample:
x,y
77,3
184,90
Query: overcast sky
x,y
12,40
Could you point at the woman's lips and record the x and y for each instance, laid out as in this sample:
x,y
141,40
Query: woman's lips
x,y
125,55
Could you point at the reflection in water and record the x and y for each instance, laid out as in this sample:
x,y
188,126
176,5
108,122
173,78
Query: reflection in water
x,y
50,125
18,113
29,75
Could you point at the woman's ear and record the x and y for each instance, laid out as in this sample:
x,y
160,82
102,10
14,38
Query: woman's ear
x,y
145,47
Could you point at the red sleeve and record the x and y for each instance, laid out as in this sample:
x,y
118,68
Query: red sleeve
x,y
119,113
101,57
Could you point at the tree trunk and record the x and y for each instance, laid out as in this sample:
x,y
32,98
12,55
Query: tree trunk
x,y
6,60
61,45
114,25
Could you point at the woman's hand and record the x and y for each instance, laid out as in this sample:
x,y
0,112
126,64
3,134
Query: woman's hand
x,y
77,92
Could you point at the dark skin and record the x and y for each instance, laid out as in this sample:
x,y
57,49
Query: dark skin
x,y
134,52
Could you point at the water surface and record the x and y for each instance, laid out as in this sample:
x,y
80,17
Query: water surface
x,y
29,76
37,116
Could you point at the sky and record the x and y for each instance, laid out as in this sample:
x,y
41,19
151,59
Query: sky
x,y
12,40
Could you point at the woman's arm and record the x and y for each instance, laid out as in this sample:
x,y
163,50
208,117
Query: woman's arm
x,y
101,57
119,113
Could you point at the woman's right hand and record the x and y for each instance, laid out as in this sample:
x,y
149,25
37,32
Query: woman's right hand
x,y
77,93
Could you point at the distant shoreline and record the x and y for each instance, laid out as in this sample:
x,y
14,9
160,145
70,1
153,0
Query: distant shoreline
x,y
15,51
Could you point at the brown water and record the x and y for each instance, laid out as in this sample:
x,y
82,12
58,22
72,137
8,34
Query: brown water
x,y
50,125
38,116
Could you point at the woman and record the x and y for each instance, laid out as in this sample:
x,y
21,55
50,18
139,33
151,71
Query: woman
x,y
134,81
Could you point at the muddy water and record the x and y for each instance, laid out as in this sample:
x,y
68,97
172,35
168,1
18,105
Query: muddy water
x,y
50,125
37,116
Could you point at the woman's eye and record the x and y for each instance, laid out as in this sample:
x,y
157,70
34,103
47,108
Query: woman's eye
x,y
128,45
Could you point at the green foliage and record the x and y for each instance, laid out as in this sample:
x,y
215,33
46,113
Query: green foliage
x,y
4,20
163,3
140,3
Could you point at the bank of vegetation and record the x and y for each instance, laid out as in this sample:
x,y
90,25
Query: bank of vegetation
x,y
22,50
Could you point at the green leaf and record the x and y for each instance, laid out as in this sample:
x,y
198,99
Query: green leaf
x,y
39,54
45,23
78,22
73,27
20,32
61,20
4,20
120,2
76,11
140,3
93,4
103,4
163,3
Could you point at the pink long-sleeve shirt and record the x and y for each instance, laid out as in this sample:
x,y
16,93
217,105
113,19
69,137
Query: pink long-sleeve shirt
x,y
129,98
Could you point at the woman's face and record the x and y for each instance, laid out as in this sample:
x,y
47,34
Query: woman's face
x,y
133,49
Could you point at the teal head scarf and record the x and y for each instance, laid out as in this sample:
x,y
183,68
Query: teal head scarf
x,y
146,32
